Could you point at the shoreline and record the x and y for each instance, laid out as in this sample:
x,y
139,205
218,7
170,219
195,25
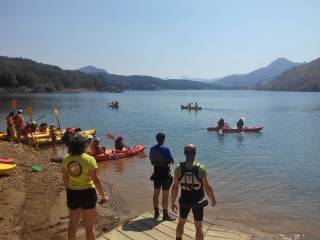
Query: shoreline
x,y
34,203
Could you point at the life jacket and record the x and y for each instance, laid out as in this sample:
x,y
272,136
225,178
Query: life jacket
x,y
191,185
160,163
189,179
19,120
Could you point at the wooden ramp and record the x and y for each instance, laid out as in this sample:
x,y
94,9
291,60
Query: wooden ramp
x,y
144,227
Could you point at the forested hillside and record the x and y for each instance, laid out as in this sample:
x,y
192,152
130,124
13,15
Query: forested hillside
x,y
30,75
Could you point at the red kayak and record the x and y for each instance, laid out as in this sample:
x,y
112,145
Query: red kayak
x,y
235,130
6,160
112,154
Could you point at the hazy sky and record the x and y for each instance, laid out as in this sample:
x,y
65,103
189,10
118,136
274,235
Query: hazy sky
x,y
166,38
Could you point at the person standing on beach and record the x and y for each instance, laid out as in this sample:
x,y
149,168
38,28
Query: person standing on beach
x,y
192,178
161,159
10,126
19,124
81,180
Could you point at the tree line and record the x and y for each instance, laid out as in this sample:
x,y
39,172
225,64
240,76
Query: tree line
x,y
21,72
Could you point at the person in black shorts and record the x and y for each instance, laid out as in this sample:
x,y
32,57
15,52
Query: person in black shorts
x,y
161,159
81,180
192,178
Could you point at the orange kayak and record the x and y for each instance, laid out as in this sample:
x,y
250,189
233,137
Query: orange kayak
x,y
112,154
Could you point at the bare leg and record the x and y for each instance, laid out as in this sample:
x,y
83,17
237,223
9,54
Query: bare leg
x,y
165,196
180,227
74,216
199,230
156,198
89,217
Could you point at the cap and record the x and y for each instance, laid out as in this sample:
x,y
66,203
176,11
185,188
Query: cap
x,y
20,111
80,137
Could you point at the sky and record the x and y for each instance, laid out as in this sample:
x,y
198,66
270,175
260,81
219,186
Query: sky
x,y
164,38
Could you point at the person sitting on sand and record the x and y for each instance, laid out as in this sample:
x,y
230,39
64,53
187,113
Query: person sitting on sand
x,y
119,144
10,126
19,124
192,178
80,178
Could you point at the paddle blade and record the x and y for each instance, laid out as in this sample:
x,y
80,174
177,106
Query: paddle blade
x,y
14,104
29,110
110,136
56,113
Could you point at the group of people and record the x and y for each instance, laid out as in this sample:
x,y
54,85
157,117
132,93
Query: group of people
x,y
19,129
115,104
222,123
79,171
191,105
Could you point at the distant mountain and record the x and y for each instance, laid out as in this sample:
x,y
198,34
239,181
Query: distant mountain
x,y
302,78
257,77
138,82
92,69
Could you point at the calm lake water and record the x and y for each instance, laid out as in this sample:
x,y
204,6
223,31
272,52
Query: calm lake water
x,y
267,183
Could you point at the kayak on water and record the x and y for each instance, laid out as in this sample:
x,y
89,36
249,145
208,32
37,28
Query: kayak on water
x,y
112,106
235,130
7,160
4,168
45,139
111,154
190,108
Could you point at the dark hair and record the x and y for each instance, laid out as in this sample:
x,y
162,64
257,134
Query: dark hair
x,y
77,148
77,130
160,137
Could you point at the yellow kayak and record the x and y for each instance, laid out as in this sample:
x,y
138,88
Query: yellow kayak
x,y
42,140
38,134
4,168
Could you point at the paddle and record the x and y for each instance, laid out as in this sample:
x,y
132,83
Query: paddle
x,y
110,136
57,114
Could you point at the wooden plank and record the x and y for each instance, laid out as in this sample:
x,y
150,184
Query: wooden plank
x,y
145,227
169,231
133,232
114,234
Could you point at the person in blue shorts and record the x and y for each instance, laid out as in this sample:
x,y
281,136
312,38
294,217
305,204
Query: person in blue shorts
x,y
161,159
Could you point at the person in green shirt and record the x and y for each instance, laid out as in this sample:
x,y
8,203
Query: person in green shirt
x,y
80,179
192,178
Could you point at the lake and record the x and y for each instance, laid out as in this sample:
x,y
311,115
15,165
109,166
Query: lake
x,y
266,183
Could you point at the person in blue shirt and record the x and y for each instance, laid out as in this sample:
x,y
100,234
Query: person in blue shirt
x,y
161,159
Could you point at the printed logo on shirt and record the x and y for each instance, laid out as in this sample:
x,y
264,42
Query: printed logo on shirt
x,y
74,169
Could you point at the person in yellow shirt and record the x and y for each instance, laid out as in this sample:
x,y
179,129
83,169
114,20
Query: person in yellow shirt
x,y
81,180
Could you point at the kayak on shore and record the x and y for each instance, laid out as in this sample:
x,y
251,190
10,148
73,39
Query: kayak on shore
x,y
4,167
112,154
6,160
43,139
190,108
37,133
234,129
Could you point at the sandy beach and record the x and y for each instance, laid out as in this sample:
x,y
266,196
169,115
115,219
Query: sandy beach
x,y
34,203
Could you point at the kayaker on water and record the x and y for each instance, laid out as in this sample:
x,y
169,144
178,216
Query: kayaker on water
x,y
19,124
95,147
221,123
240,123
192,178
119,144
81,180
10,126
161,159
